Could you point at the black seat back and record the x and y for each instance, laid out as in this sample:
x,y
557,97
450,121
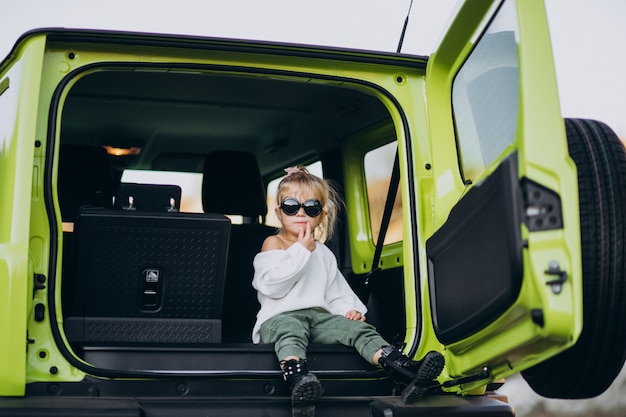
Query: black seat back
x,y
145,274
84,179
232,185
148,278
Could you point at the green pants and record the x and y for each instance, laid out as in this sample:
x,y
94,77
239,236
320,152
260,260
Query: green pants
x,y
291,333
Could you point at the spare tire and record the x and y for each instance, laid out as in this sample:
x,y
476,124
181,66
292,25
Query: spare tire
x,y
589,367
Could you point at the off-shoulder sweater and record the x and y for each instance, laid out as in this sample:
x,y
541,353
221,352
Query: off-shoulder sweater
x,y
296,279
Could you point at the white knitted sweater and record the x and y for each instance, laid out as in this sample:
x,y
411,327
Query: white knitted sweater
x,y
295,279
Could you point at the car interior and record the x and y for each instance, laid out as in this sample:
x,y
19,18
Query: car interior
x,y
148,286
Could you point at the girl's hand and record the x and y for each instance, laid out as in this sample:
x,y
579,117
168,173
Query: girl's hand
x,y
305,237
354,315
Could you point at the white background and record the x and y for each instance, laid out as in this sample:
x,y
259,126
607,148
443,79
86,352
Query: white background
x,y
588,37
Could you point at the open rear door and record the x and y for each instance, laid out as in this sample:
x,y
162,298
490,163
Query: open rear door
x,y
504,259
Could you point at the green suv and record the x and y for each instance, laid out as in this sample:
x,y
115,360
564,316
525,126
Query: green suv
x,y
137,180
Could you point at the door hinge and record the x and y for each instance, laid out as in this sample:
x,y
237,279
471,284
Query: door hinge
x,y
39,282
557,283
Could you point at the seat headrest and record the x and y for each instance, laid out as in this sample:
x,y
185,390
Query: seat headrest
x,y
232,184
148,197
84,179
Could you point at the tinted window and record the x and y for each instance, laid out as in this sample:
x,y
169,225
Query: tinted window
x,y
378,165
485,96
4,112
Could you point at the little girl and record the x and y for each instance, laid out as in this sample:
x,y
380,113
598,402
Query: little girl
x,y
305,298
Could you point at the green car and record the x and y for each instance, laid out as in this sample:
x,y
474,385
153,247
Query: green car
x,y
137,183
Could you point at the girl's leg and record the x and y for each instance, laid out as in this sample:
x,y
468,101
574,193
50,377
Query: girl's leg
x,y
331,329
417,376
290,334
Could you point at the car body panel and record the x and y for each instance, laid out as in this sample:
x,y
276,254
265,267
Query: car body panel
x,y
18,141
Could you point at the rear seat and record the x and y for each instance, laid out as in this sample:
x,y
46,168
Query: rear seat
x,y
84,180
232,185
149,276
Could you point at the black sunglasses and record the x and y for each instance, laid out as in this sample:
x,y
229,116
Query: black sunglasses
x,y
290,206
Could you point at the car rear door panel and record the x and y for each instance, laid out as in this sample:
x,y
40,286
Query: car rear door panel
x,y
504,257
477,257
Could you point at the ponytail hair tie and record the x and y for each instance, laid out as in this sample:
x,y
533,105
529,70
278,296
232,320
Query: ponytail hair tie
x,y
292,170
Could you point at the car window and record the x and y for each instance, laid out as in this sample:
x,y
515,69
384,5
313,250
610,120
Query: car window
x,y
5,117
4,109
378,164
485,96
271,219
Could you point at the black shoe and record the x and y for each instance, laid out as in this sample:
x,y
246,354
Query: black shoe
x,y
305,388
417,376
398,365
429,368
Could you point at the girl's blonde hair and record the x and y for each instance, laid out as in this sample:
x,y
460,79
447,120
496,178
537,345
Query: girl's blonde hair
x,y
299,179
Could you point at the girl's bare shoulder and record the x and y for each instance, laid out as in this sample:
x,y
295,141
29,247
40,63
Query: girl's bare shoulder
x,y
272,243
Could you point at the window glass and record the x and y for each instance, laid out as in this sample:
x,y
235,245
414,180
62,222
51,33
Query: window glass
x,y
4,113
315,168
378,165
485,96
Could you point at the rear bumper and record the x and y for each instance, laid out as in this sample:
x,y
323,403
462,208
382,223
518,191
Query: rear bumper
x,y
432,406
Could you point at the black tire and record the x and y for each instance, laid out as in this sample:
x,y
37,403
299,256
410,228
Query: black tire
x,y
589,367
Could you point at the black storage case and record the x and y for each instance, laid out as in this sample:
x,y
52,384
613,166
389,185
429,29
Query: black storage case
x,y
155,278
